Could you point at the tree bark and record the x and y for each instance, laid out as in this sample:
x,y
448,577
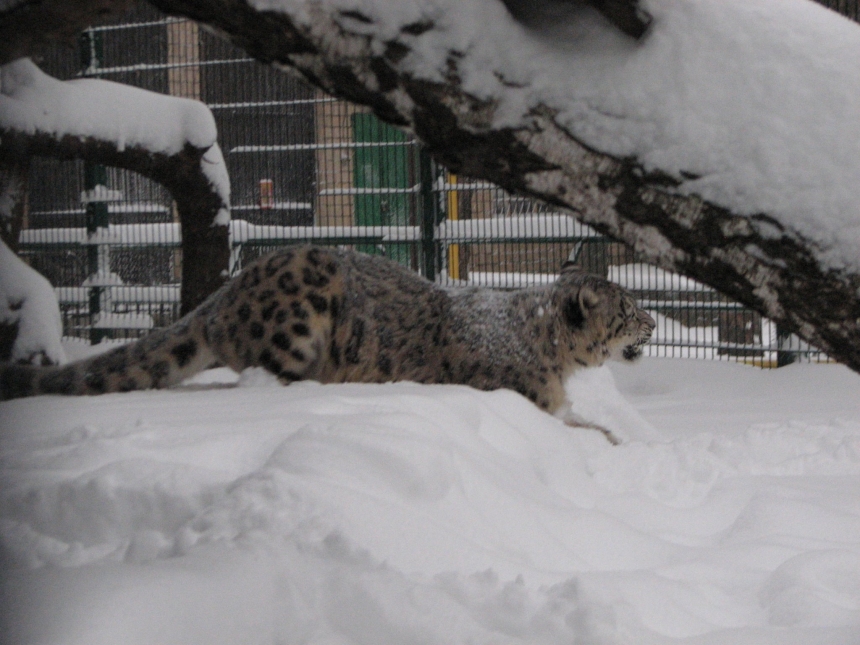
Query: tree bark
x,y
205,246
13,200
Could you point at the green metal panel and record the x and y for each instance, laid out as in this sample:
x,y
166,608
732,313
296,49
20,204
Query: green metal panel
x,y
382,166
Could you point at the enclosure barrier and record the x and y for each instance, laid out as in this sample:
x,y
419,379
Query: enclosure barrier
x,y
305,167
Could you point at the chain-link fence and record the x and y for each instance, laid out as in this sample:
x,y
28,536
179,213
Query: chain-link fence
x,y
306,167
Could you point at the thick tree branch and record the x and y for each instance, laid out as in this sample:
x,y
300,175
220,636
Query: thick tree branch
x,y
205,246
171,140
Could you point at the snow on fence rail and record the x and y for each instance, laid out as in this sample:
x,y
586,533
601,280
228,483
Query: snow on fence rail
x,y
645,277
537,227
241,232
122,294
156,234
500,280
519,227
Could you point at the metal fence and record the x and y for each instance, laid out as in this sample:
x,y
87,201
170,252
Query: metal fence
x,y
306,167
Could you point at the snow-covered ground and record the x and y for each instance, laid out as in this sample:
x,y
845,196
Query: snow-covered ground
x,y
400,514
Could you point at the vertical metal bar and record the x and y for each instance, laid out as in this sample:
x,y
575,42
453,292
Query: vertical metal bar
x,y
95,175
427,214
183,79
453,215
784,355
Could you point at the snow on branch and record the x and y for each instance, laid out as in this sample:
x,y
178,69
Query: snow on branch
x,y
37,106
168,139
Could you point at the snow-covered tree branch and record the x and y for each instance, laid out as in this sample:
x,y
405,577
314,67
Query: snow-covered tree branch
x,y
170,140
720,144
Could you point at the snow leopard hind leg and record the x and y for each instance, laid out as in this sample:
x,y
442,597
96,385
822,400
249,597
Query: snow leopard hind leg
x,y
278,314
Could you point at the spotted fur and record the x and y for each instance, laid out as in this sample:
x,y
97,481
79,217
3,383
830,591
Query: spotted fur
x,y
340,316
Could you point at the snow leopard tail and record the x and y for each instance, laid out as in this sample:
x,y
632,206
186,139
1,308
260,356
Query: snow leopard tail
x,y
163,358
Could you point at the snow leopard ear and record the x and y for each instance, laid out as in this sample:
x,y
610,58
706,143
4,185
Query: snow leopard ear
x,y
570,266
588,299
578,308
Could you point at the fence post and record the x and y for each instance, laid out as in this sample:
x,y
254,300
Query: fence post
x,y
95,176
784,355
428,214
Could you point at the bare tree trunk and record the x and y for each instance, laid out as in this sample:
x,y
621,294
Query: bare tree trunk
x,y
205,245
13,199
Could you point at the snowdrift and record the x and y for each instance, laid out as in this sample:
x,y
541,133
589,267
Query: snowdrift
x,y
436,514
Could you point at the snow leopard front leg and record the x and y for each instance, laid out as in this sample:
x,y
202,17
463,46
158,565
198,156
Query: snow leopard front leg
x,y
574,420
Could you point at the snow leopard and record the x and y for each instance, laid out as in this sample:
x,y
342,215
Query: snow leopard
x,y
338,315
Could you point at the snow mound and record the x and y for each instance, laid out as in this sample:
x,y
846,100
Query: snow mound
x,y
29,308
